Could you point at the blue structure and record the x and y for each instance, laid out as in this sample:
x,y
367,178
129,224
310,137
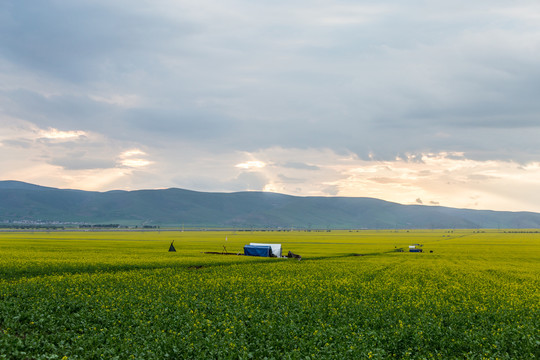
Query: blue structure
x,y
415,250
257,250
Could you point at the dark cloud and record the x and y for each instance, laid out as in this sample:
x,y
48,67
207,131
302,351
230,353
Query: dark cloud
x,y
186,124
290,180
64,111
299,166
332,190
23,143
145,125
83,40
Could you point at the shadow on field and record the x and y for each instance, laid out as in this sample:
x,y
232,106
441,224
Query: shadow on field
x,y
80,269
346,256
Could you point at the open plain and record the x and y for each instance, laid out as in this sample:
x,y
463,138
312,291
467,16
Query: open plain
x,y
122,295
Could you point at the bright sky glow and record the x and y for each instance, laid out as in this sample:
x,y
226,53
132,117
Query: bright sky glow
x,y
251,165
134,158
135,162
130,153
55,134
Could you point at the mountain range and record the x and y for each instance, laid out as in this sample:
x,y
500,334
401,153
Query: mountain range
x,y
23,202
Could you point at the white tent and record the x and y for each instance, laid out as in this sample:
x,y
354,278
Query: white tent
x,y
276,248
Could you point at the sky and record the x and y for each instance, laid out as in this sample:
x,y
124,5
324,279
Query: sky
x,y
417,102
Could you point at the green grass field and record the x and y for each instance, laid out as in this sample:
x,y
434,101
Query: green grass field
x,y
122,295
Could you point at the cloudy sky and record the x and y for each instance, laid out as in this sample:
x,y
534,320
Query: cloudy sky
x,y
434,102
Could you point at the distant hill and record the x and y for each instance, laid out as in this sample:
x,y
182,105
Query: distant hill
x,y
21,201
11,185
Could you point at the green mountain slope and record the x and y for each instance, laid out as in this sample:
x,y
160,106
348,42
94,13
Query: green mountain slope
x,y
21,201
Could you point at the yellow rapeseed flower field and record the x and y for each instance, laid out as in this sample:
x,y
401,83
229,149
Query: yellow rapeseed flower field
x,y
122,295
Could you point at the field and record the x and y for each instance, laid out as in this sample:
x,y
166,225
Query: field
x,y
122,295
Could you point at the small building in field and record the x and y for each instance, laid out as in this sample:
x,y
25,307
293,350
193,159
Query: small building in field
x,y
275,248
257,250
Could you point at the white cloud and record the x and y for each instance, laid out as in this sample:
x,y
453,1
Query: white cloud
x,y
132,152
134,158
58,135
135,162
251,165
